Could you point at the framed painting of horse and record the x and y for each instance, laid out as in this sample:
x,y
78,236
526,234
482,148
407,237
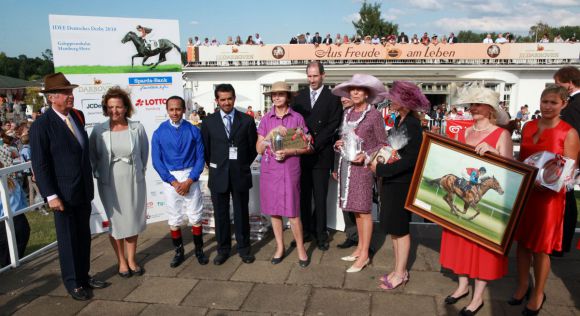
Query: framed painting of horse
x,y
477,197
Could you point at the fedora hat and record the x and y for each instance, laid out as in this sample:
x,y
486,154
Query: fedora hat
x,y
56,82
279,86
475,93
374,86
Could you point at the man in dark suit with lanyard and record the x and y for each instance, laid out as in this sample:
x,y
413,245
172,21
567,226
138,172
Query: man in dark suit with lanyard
x,y
60,160
229,138
569,78
322,112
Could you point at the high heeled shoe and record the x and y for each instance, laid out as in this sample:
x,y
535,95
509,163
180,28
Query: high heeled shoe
x,y
354,269
515,301
387,285
530,312
349,258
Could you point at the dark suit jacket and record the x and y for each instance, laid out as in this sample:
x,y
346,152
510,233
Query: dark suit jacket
x,y
316,39
403,38
453,40
60,164
402,169
216,151
322,121
327,40
571,113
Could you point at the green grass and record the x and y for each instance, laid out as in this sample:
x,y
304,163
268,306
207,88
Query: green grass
x,y
86,69
487,224
42,230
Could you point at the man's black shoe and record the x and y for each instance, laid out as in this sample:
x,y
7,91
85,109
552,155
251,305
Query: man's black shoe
x,y
323,245
305,239
97,284
248,259
347,244
201,257
79,294
220,259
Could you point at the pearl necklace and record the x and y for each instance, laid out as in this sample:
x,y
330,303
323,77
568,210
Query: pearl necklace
x,y
481,130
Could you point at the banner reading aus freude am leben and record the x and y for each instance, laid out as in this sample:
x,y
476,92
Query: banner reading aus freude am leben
x,y
387,52
98,53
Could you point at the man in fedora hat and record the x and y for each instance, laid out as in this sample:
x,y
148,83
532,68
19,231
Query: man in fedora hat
x,y
229,138
60,161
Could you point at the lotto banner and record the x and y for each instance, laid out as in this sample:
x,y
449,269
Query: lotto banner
x,y
455,126
98,53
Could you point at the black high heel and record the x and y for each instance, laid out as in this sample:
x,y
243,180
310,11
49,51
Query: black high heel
x,y
514,301
529,312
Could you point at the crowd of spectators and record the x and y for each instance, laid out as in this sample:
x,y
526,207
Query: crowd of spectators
x,y
375,39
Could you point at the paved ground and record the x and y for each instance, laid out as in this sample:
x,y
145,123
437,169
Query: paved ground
x,y
235,288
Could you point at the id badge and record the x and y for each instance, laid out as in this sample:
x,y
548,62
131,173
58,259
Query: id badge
x,y
233,153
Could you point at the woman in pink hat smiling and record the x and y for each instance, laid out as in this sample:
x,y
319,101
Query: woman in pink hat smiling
x,y
362,134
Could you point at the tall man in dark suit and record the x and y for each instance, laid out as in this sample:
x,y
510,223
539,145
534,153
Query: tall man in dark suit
x,y
60,160
229,138
569,78
322,112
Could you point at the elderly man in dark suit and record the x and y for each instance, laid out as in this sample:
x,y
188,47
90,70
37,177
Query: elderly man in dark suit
x,y
569,78
229,138
60,160
322,112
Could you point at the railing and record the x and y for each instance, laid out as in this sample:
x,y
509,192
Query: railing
x,y
9,215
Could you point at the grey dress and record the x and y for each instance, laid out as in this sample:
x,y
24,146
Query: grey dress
x,y
123,197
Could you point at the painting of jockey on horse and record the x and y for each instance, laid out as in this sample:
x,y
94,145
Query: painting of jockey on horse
x,y
147,46
479,197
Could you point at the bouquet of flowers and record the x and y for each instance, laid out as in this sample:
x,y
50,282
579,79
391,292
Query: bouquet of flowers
x,y
555,170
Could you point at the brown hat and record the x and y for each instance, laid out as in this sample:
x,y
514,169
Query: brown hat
x,y
279,86
56,82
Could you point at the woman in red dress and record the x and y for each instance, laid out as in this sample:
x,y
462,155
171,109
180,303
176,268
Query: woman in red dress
x,y
540,228
464,257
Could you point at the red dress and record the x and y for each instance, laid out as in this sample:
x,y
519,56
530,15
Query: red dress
x,y
465,257
541,223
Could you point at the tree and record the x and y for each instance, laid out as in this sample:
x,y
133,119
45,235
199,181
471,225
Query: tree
x,y
538,30
371,23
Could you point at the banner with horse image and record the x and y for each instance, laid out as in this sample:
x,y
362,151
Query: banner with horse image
x,y
91,53
477,197
90,45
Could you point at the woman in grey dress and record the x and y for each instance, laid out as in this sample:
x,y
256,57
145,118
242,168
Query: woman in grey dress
x,y
119,151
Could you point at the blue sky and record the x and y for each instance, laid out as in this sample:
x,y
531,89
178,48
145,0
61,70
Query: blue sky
x,y
24,23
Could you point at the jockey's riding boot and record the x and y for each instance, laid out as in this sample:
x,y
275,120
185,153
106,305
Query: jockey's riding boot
x,y
179,252
199,254
198,242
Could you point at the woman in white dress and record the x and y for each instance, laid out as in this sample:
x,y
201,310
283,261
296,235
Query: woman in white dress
x,y
119,150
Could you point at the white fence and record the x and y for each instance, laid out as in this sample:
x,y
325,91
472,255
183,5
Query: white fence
x,y
9,214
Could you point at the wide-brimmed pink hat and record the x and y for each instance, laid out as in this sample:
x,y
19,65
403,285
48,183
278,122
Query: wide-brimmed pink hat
x,y
408,95
374,86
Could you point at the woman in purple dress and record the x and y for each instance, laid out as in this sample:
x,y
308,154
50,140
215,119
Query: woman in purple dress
x,y
362,134
280,171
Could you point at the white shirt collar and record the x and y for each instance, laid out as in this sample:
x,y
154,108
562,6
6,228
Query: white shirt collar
x,y
223,114
62,116
176,125
317,90
574,93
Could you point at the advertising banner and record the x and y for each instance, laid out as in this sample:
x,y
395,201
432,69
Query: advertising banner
x,y
384,52
98,53
455,126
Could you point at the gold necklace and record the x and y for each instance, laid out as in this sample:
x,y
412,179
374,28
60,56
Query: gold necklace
x,y
481,130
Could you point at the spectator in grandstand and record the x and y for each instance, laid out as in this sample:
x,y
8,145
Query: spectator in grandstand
x,y
357,39
536,115
510,37
258,40
488,39
230,41
327,39
293,40
558,38
238,41
196,41
215,42
250,112
434,40
250,40
302,39
392,39
308,38
452,39
375,40
444,39
403,38
415,39
338,39
500,39
316,39
206,42
345,39
367,40
545,38
425,39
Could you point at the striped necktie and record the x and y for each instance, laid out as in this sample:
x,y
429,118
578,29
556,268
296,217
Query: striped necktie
x,y
312,98
228,118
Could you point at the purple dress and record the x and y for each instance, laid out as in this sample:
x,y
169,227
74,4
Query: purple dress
x,y
356,182
280,180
